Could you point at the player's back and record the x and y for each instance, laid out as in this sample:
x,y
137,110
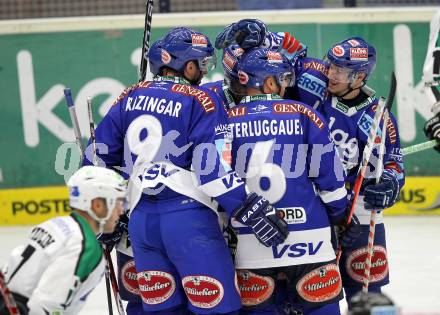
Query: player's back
x,y
278,166
162,121
61,259
273,141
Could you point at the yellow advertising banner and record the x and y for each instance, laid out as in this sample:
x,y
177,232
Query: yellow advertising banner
x,y
33,205
420,196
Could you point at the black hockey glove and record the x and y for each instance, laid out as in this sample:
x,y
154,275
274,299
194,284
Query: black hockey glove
x,y
432,130
247,33
383,194
111,239
256,212
348,234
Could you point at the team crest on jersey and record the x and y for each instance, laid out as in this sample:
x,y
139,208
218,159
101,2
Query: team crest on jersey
x,y
274,57
243,77
359,53
203,291
354,43
155,286
355,264
129,277
165,56
224,147
254,289
338,51
321,284
199,40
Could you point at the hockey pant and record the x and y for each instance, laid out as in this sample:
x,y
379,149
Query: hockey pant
x,y
310,288
352,263
182,261
128,285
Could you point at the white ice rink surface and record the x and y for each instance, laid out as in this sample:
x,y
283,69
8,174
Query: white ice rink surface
x,y
414,258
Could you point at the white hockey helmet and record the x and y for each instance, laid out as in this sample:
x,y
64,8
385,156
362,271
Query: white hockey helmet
x,y
90,182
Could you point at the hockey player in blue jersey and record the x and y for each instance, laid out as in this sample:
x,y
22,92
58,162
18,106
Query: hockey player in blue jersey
x,y
283,150
171,137
348,106
229,90
349,109
233,39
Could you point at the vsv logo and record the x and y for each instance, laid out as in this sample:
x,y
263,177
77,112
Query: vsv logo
x,y
158,170
296,250
231,179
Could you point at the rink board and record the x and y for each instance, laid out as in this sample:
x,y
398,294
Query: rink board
x,y
99,56
420,196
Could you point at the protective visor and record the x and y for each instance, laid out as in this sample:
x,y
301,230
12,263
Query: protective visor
x,y
340,74
208,63
286,79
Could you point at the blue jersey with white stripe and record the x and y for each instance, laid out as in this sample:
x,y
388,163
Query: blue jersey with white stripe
x,y
283,150
169,120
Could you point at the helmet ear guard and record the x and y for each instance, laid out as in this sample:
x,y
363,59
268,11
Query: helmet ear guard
x,y
92,182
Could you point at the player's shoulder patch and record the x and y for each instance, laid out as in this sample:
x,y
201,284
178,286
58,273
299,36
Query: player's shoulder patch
x,y
143,84
202,95
291,107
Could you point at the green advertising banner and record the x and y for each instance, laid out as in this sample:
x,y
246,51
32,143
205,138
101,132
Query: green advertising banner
x,y
36,66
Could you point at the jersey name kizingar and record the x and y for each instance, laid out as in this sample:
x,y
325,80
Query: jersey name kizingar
x,y
153,104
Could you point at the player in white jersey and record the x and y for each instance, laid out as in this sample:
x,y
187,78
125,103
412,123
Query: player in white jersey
x,y
431,77
62,261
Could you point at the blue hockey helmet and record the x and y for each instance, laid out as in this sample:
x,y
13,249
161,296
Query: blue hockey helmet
x,y
260,63
354,54
177,47
231,55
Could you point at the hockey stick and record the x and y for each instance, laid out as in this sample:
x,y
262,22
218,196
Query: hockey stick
x,y
146,40
109,271
367,153
419,147
74,119
8,297
372,231
114,283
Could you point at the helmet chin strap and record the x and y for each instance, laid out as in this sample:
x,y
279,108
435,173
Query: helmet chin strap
x,y
350,89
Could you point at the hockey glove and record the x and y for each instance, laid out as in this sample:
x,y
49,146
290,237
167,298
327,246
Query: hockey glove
x,y
111,239
292,48
383,194
432,129
247,33
256,212
348,234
